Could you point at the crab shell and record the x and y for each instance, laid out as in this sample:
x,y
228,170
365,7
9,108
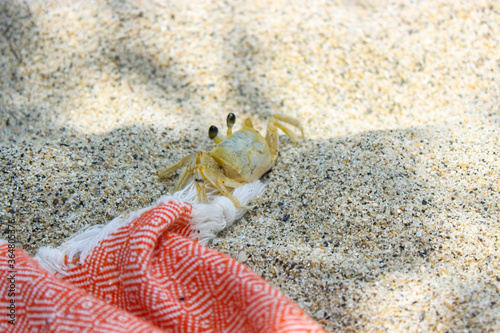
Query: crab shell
x,y
243,155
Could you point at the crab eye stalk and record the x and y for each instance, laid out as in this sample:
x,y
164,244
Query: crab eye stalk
x,y
231,119
212,134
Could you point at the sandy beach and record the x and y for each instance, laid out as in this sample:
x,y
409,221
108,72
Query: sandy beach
x,y
385,218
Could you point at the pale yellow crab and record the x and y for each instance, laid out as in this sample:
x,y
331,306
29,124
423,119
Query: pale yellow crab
x,y
240,157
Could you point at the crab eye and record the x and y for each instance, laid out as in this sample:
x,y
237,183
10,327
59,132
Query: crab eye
x,y
212,132
231,119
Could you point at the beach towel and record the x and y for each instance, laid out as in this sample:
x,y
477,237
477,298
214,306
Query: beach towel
x,y
149,271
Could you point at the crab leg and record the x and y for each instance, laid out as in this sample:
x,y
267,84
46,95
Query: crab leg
x,y
220,182
200,185
276,122
189,162
203,159
183,178
165,173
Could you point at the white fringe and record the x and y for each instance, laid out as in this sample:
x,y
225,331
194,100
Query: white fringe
x,y
207,220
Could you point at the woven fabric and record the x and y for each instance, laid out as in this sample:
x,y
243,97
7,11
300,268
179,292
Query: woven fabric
x,y
33,300
148,273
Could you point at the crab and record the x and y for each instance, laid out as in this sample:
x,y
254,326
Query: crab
x,y
238,158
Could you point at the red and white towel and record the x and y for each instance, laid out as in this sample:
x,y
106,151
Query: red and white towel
x,y
148,272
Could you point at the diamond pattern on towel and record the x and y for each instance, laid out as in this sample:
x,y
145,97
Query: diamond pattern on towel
x,y
148,272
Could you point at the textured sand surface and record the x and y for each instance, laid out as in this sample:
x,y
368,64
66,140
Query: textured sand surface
x,y
385,219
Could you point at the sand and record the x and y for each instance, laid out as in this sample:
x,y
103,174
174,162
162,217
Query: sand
x,y
386,218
